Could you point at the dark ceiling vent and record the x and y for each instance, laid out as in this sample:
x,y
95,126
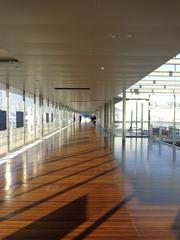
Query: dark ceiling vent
x,y
13,60
71,88
6,57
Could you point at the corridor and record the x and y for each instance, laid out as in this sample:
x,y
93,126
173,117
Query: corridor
x,y
83,184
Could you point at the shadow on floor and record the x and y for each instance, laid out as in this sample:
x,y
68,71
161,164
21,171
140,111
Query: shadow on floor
x,y
176,226
55,225
104,218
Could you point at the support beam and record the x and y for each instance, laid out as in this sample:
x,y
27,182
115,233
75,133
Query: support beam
x,y
7,119
113,114
142,117
136,118
174,122
124,117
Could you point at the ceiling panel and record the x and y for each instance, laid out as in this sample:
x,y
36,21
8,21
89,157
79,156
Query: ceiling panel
x,y
64,43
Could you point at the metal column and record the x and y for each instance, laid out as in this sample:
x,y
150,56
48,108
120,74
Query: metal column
x,y
8,117
124,117
142,118
149,117
174,122
113,114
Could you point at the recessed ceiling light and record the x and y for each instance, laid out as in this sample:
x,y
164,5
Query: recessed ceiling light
x,y
129,35
72,88
102,68
111,36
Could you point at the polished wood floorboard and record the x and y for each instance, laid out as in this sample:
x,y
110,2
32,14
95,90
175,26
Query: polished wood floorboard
x,y
83,184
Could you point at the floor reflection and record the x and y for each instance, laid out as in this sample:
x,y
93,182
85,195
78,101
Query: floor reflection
x,y
133,189
176,226
152,168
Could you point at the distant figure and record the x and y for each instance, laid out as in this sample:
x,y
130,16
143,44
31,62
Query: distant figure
x,y
93,119
74,119
80,118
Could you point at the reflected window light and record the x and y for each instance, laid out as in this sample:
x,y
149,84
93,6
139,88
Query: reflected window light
x,y
24,171
8,177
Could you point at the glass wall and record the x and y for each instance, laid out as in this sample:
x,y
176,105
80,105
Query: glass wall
x,y
165,118
16,118
158,116
136,116
45,117
163,88
52,116
58,121
64,116
3,121
38,118
118,115
25,117
177,120
162,117
29,118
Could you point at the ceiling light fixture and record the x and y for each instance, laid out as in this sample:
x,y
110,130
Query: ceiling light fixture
x,y
71,88
129,35
111,36
102,68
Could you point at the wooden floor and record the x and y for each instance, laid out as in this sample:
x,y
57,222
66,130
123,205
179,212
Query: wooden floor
x,y
81,184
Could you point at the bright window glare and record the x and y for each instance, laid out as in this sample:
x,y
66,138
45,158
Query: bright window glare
x,y
164,80
166,67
